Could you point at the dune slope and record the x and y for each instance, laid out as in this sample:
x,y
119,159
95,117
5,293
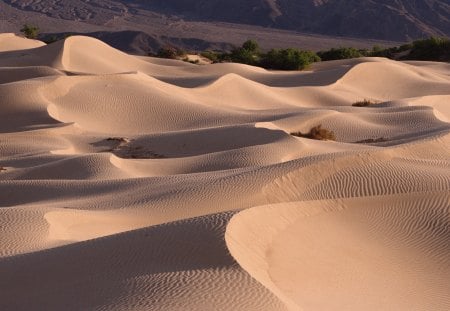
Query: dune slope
x,y
133,184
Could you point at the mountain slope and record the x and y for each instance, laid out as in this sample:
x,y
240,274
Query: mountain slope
x,y
381,19
397,20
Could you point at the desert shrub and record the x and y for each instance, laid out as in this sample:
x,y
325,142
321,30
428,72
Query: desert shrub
x,y
127,149
192,61
377,51
30,31
340,53
248,53
288,59
392,52
371,140
318,133
432,49
251,45
170,52
212,56
50,39
404,47
243,56
364,103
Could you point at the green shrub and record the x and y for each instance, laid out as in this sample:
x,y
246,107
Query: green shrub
x,y
288,59
30,31
50,39
432,49
340,53
391,52
248,53
251,46
212,56
170,52
243,56
318,133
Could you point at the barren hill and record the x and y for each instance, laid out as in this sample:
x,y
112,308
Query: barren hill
x,y
396,20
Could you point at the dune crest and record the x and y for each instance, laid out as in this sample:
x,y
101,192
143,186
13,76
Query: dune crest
x,y
132,183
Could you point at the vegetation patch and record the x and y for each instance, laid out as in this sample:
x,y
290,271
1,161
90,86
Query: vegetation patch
x,y
364,103
341,53
318,133
136,152
371,140
434,49
430,49
192,61
213,56
288,59
279,59
124,148
30,31
171,52
118,139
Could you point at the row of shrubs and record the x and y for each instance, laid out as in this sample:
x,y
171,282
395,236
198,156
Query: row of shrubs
x,y
249,53
431,49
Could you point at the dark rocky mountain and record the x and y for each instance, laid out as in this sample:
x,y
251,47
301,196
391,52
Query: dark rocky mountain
x,y
376,19
141,43
311,24
380,19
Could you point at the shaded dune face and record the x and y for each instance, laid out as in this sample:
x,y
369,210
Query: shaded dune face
x,y
134,184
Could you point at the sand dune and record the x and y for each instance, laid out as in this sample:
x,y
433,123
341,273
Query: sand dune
x,y
132,183
11,42
341,246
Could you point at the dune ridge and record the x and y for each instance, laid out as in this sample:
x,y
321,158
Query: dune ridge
x,y
131,183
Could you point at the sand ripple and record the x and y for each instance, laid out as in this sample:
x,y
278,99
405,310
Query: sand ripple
x,y
137,184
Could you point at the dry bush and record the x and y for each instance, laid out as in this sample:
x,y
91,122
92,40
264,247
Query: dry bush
x,y
318,133
364,103
371,140
126,148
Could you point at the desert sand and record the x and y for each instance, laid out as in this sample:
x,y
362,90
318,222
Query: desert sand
x,y
133,183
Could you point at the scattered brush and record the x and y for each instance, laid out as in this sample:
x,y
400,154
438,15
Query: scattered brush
x,y
364,103
318,133
192,61
126,148
371,140
118,139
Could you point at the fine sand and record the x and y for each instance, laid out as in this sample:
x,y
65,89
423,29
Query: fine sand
x,y
133,183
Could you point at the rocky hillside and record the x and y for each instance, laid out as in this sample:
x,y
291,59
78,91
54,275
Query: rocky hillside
x,y
396,20
381,19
